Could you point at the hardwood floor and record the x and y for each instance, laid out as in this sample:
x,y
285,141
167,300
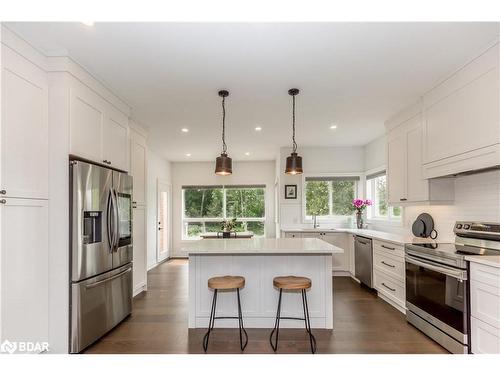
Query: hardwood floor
x,y
363,323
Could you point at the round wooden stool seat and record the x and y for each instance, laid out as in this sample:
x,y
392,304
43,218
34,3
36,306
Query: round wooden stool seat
x,y
226,282
292,282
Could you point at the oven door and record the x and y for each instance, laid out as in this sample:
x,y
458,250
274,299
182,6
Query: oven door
x,y
438,294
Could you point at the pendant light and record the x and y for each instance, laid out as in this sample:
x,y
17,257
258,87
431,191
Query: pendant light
x,y
294,161
223,163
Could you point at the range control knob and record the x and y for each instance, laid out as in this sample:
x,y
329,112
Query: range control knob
x,y
466,226
459,226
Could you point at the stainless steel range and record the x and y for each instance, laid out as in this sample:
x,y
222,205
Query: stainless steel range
x,y
437,288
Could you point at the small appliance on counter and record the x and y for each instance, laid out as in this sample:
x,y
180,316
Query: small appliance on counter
x,y
423,226
437,283
100,251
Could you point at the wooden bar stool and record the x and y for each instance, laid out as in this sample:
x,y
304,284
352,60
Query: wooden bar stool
x,y
225,283
292,283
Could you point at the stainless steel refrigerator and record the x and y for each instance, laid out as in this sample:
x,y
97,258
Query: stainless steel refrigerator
x,y
101,249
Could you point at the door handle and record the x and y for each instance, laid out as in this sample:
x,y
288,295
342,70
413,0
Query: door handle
x,y
116,229
108,220
387,264
93,285
388,247
403,199
393,290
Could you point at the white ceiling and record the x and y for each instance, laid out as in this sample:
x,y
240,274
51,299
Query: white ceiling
x,y
354,75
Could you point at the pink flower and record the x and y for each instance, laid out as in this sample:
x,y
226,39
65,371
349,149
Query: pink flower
x,y
368,202
358,203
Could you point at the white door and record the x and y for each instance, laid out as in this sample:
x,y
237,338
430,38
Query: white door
x,y
24,269
24,128
139,275
396,169
163,223
417,187
138,163
115,139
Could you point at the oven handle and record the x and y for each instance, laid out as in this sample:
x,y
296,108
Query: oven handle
x,y
457,274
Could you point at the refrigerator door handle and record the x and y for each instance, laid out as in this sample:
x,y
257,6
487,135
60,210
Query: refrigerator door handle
x,y
108,220
116,228
93,285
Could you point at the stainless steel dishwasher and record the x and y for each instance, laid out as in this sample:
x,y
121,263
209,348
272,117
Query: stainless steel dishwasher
x,y
363,260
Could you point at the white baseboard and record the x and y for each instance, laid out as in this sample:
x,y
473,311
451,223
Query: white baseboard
x,y
341,273
140,288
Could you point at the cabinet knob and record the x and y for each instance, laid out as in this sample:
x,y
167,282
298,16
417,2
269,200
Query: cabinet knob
x,y
3,201
3,192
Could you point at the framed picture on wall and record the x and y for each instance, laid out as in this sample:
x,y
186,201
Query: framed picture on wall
x,y
290,191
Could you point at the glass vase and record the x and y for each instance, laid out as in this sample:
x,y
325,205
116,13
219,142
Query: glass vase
x,y
359,220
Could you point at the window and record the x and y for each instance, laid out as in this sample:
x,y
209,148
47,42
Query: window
x,y
329,197
376,191
205,207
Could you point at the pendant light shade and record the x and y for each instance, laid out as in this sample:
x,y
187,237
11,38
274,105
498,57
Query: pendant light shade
x,y
223,163
294,161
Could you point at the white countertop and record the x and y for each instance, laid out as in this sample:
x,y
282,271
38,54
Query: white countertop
x,y
375,234
262,246
489,260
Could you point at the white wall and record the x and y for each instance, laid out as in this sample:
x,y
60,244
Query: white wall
x,y
158,168
202,173
315,160
375,154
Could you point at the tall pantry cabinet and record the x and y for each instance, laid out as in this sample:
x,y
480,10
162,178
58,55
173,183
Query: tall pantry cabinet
x,y
24,205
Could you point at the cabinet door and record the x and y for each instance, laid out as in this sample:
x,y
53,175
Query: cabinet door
x,y
24,269
138,163
24,128
86,124
461,114
139,242
417,187
340,262
396,169
115,139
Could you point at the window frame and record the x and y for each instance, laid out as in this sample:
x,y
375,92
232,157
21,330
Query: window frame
x,y
359,190
186,220
370,217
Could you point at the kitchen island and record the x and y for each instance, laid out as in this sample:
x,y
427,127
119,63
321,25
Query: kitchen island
x,y
259,261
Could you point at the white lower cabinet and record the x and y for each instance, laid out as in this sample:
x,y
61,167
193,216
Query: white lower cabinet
x,y
389,273
139,278
340,262
485,308
25,270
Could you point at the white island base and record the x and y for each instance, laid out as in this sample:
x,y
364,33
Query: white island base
x,y
259,261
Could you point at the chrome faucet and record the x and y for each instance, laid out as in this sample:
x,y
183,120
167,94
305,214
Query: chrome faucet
x,y
315,224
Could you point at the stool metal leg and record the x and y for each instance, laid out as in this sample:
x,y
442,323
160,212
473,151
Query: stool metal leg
x,y
240,323
312,339
276,325
211,322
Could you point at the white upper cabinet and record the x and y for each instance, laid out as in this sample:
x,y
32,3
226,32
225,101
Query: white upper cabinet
x,y
115,139
86,124
396,164
405,180
98,131
461,128
138,163
24,128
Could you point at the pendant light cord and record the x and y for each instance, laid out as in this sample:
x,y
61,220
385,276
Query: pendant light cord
x,y
293,124
224,146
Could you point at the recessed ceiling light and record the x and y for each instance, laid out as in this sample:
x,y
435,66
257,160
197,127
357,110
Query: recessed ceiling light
x,y
333,127
184,130
88,23
188,155
258,128
247,153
